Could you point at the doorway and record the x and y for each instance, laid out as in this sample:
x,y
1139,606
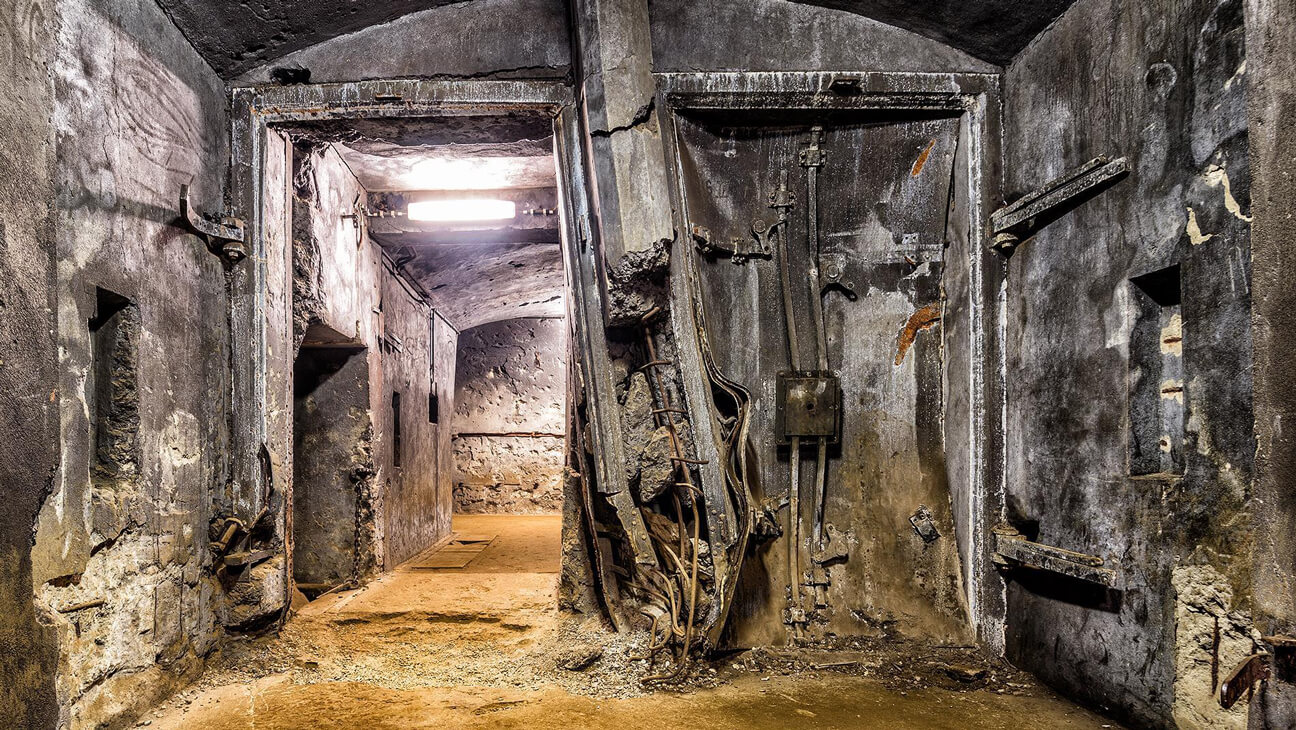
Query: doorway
x,y
332,469
419,243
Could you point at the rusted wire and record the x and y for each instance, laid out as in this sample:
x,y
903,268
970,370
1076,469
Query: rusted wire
x,y
665,417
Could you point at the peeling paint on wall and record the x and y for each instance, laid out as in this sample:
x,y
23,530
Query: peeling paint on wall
x,y
1211,638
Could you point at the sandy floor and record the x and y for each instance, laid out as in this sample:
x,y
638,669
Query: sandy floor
x,y
483,647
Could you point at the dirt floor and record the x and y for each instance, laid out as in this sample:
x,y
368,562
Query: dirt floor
x,y
484,646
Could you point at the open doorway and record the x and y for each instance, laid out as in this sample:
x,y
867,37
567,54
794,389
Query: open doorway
x,y
332,469
509,437
432,247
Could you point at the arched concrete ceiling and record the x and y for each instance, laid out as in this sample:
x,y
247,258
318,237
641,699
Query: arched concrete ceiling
x,y
237,35
992,30
479,283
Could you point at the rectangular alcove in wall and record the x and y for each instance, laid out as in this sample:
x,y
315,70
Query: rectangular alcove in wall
x,y
1156,378
113,389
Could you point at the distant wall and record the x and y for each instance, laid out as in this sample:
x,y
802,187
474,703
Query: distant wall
x,y
1086,341
511,379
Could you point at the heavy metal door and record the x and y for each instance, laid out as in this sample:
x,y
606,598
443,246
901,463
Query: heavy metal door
x,y
840,222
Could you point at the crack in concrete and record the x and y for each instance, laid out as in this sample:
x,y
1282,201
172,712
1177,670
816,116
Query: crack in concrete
x,y
642,115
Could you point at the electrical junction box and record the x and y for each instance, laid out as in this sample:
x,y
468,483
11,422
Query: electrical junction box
x,y
808,406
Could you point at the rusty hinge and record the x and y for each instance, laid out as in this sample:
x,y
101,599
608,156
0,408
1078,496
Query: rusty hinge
x,y
814,155
1022,218
223,234
1011,549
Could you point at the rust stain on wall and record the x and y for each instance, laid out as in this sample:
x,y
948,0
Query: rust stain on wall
x,y
923,319
922,159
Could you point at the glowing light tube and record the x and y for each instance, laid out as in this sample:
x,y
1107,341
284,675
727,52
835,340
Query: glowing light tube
x,y
444,211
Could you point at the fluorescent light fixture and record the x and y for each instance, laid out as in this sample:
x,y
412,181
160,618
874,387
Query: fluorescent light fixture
x,y
473,209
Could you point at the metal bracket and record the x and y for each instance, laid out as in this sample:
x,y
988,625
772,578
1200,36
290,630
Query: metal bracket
x,y
846,85
923,524
1243,679
832,273
739,250
817,581
1021,219
835,549
223,235
814,155
1011,548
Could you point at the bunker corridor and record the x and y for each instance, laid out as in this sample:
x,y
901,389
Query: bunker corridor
x,y
652,363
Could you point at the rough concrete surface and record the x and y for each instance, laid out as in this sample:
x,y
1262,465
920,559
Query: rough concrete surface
x,y
234,36
776,35
1271,107
416,46
1168,93
510,416
28,369
120,548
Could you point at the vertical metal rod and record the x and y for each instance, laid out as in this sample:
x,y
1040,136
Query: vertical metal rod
x,y
785,280
794,538
794,457
812,228
821,482
812,162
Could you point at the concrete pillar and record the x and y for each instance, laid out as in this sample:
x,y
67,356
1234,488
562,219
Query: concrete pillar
x,y
624,144
29,367
1271,102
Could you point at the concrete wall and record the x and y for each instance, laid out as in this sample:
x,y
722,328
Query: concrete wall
x,y
1271,103
511,378
343,282
123,531
1165,87
416,491
28,370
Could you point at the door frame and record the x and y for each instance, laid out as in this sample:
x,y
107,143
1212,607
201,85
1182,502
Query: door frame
x,y
974,310
259,287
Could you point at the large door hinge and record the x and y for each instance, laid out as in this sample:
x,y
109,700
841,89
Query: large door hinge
x,y
223,234
1022,218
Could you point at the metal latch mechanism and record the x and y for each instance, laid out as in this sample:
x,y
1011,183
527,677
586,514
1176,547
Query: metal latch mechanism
x,y
223,234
